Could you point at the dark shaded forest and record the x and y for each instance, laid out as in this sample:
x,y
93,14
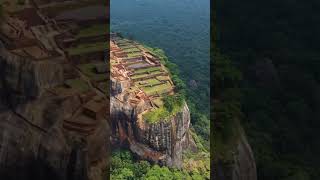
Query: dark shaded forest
x,y
275,46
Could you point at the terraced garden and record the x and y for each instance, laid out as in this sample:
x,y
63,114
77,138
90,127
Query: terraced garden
x,y
127,46
149,82
95,30
89,70
158,89
88,48
154,81
135,54
163,78
146,75
147,70
136,65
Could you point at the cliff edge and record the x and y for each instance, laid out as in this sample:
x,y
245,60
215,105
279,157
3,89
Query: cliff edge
x,y
139,86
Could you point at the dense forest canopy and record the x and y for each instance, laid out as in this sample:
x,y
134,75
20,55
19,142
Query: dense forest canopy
x,y
124,166
275,46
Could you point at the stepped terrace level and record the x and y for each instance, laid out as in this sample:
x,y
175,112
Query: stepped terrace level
x,y
63,38
135,65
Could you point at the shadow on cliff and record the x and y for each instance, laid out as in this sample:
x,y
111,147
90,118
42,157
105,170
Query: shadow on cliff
x,y
35,169
31,170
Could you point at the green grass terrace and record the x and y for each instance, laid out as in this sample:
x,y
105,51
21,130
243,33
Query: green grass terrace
x,y
134,54
90,71
148,82
131,50
88,48
148,70
161,113
127,46
158,89
95,30
146,75
123,42
158,102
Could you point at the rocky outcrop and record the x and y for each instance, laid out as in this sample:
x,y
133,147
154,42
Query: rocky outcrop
x,y
241,166
162,142
23,79
118,87
245,166
33,143
26,148
168,136
32,137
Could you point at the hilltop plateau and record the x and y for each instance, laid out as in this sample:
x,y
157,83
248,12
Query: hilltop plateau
x,y
147,113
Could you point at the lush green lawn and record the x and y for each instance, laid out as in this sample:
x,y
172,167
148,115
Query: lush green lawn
x,y
162,88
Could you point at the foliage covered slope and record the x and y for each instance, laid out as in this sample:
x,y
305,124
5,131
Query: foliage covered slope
x,y
275,45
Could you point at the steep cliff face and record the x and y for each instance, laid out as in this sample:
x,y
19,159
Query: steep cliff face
x,y
118,87
245,166
162,142
33,142
23,79
41,139
27,148
170,137
241,166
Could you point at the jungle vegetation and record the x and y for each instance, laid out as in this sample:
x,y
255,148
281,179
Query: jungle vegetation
x,y
275,46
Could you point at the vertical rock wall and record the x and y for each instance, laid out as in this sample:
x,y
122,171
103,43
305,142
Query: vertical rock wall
x,y
33,143
22,79
161,142
242,166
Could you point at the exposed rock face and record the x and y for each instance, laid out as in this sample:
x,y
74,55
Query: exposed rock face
x,y
23,79
162,142
169,137
245,166
117,87
41,139
242,167
25,142
33,143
